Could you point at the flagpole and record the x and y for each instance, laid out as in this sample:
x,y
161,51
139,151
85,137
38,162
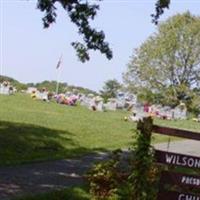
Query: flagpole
x,y
57,83
58,75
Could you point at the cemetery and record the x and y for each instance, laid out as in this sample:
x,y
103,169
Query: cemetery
x,y
52,125
122,128
123,101
63,120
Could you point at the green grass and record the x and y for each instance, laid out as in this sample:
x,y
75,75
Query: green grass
x,y
181,124
32,130
75,193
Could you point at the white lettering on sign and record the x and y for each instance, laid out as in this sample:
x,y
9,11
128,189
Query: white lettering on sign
x,y
181,196
182,161
187,197
169,158
190,180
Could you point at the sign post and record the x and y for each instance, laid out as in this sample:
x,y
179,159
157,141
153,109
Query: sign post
x,y
174,185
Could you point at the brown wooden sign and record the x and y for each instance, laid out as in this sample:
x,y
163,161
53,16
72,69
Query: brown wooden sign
x,y
180,179
177,196
176,132
185,182
177,159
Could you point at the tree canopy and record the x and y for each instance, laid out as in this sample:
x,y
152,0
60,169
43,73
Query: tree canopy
x,y
160,6
81,12
168,62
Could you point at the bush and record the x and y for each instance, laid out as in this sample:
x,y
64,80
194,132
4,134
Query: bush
x,y
134,177
108,179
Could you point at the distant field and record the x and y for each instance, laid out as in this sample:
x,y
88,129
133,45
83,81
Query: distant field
x,y
32,130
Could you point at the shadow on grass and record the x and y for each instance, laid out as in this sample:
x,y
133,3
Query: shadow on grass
x,y
75,193
23,143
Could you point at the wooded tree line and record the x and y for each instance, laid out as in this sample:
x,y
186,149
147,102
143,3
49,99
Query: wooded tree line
x,y
63,87
49,85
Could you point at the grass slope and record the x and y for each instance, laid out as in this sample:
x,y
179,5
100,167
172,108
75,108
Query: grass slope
x,y
33,130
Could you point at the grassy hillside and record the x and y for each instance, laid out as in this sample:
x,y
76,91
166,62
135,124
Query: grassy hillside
x,y
32,130
36,130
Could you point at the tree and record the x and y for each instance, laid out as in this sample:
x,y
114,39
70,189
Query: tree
x,y
168,62
63,87
81,12
110,89
159,8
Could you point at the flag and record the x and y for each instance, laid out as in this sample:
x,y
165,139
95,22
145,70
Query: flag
x,y
59,63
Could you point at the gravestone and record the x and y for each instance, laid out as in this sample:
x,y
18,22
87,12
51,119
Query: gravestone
x,y
6,88
111,104
180,112
30,90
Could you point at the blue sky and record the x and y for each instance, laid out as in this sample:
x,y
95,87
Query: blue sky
x,y
30,53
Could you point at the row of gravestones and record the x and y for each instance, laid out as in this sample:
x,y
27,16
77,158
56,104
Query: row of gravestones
x,y
90,101
124,101
164,112
36,94
6,88
97,103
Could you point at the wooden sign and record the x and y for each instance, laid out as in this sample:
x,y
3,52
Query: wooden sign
x,y
185,182
177,196
177,159
176,132
180,179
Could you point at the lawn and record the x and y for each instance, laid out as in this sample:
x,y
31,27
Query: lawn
x,y
32,130
74,193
